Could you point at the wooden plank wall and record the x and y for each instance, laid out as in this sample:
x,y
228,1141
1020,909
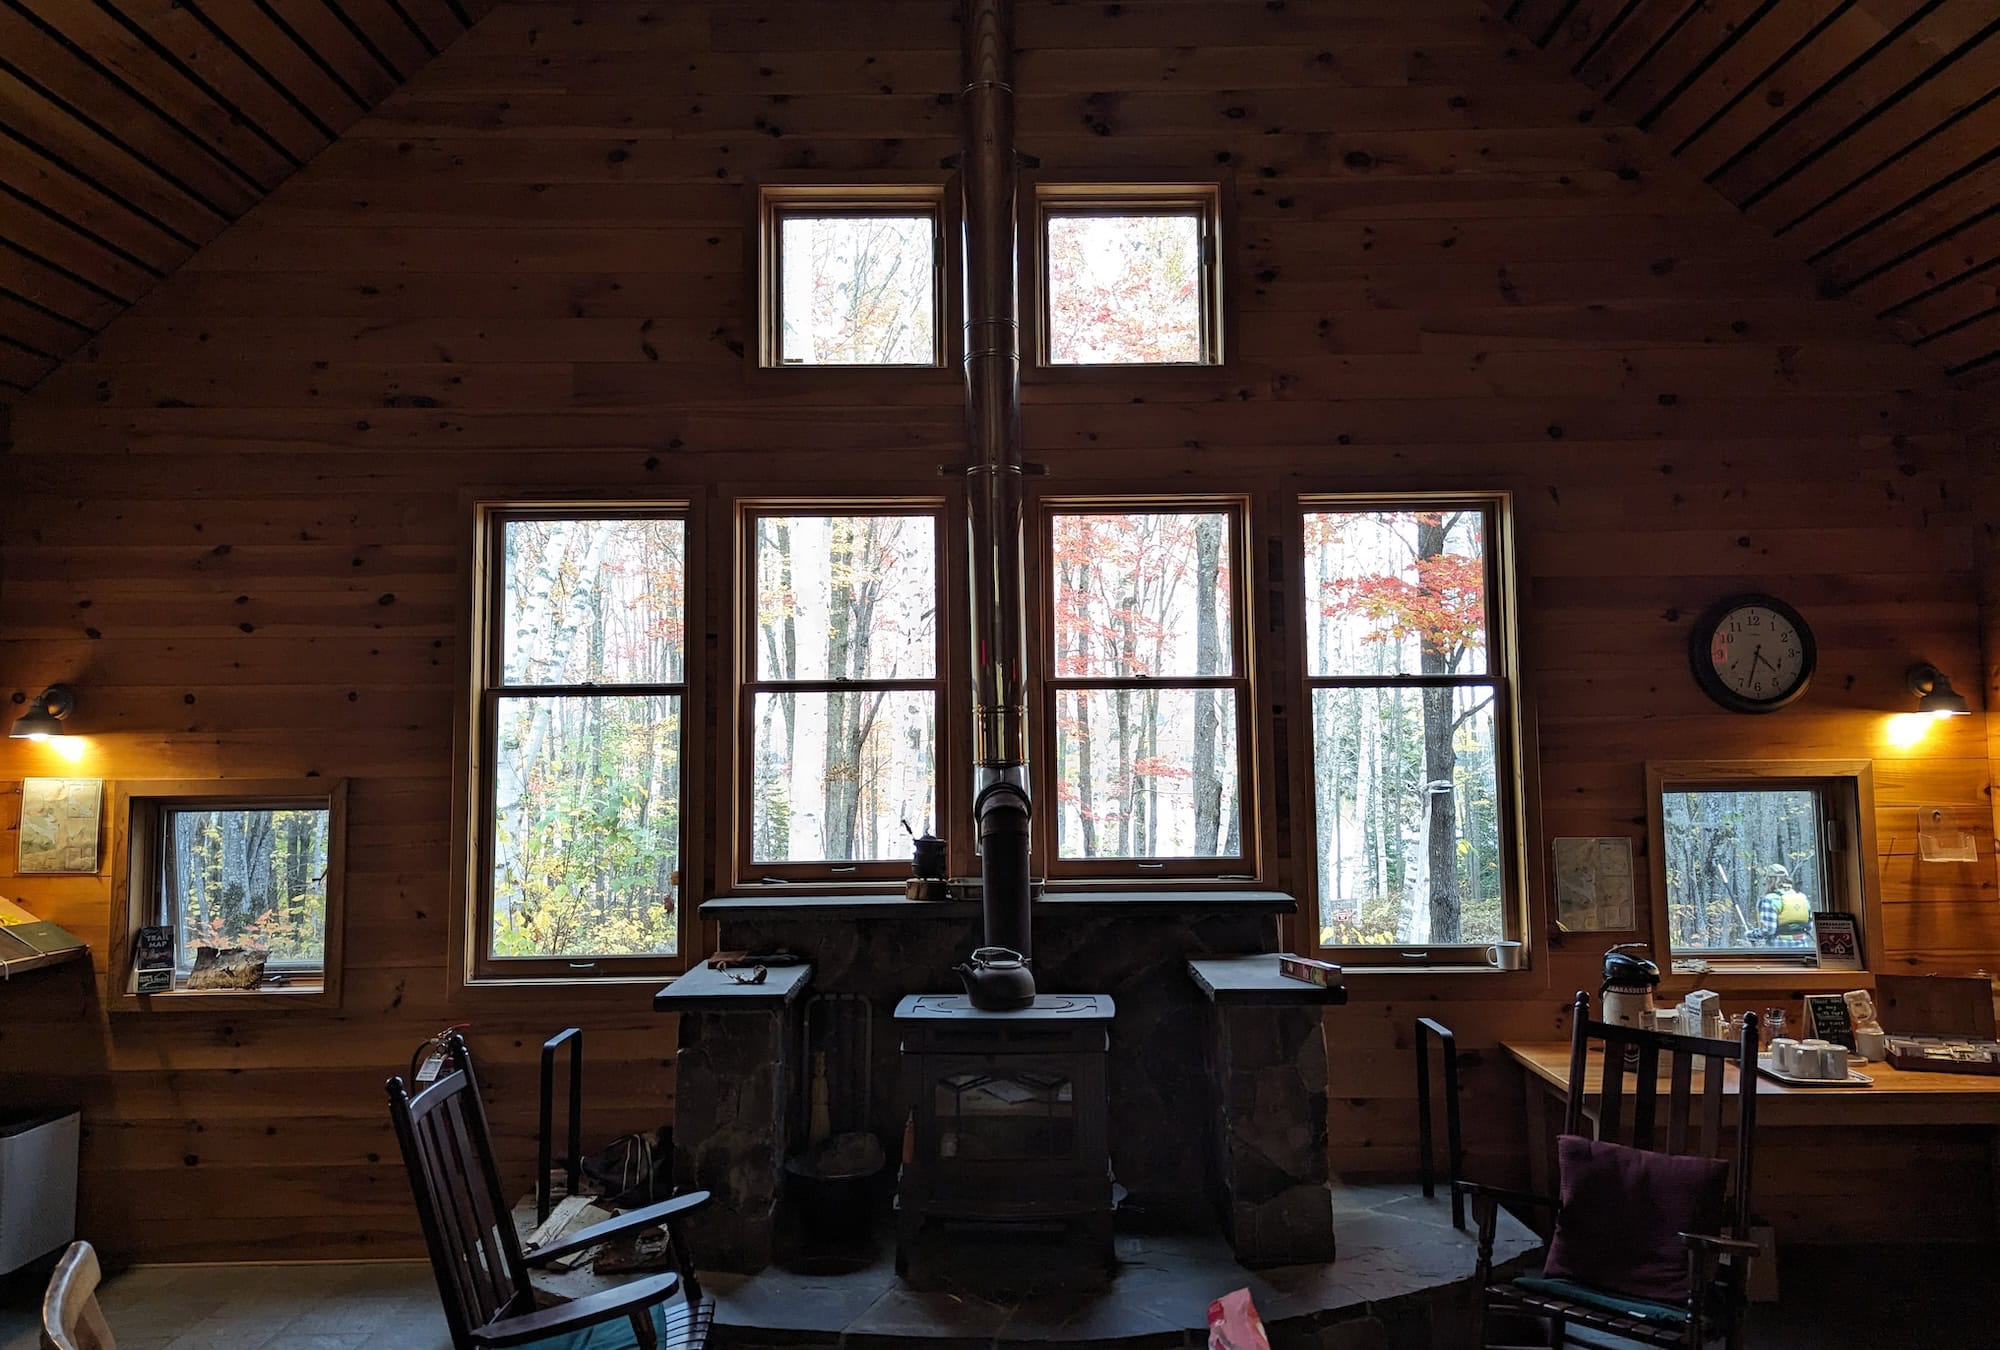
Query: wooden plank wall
x,y
132,132
1861,133
237,515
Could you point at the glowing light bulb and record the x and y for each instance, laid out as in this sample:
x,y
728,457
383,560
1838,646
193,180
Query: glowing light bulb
x,y
1904,730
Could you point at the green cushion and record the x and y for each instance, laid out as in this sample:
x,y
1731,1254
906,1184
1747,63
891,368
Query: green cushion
x,y
1624,1305
613,1335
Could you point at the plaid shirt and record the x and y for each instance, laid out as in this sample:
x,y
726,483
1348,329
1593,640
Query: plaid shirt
x,y
1770,909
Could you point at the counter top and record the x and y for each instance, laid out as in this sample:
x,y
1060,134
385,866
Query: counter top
x,y
1255,979
706,990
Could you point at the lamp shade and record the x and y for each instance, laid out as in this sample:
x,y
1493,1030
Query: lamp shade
x,y
45,715
1935,694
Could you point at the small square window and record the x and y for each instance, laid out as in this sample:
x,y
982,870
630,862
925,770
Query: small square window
x,y
1746,870
852,280
252,877
1745,864
1129,277
229,890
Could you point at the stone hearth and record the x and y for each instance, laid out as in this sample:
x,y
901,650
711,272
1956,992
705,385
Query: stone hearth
x,y
1402,1282
1217,1086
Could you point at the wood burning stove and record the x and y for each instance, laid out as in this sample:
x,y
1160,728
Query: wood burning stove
x,y
1007,1116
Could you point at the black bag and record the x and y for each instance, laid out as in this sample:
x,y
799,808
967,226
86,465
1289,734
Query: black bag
x,y
633,1169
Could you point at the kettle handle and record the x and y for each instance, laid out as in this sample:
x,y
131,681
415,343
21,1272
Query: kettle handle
x,y
986,954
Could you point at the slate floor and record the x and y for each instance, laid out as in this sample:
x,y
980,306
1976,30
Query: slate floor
x,y
1393,1245
1938,1298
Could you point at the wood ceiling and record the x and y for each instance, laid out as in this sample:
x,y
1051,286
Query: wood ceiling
x,y
1865,133
133,131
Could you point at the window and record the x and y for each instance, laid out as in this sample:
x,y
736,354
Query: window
x,y
844,677
581,737
1409,692
217,868
1746,857
852,277
1146,696
1129,276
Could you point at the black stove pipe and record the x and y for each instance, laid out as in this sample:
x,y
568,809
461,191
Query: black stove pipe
x,y
989,224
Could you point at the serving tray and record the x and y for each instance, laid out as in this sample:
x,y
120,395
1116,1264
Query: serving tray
x,y
1853,1079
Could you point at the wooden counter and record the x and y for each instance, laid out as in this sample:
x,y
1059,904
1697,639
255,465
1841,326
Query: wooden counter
x,y
1796,1124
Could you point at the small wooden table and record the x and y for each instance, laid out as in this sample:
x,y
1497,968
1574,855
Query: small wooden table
x,y
1899,1097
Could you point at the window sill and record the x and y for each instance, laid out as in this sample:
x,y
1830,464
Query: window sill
x,y
1790,979
1051,905
297,996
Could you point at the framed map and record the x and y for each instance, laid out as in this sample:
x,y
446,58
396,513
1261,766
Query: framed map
x,y
59,824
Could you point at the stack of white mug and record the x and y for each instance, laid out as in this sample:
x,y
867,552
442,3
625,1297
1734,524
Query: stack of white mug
x,y
1809,1059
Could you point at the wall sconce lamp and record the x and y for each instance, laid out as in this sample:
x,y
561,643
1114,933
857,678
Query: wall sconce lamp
x,y
45,715
1934,692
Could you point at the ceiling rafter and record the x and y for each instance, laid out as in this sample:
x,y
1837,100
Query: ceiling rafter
x,y
1866,133
132,132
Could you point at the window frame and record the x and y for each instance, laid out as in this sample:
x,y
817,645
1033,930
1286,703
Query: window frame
x,y
1858,880
1502,675
487,689
746,872
1244,868
138,870
1204,200
776,202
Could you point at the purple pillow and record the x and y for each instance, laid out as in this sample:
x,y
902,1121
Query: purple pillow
x,y
1623,1211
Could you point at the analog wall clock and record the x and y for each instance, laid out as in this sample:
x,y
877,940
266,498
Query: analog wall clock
x,y
1752,653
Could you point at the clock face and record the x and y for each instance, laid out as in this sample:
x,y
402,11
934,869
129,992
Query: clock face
x,y
1753,653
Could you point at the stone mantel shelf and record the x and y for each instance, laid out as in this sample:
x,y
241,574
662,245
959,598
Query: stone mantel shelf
x,y
1056,905
706,990
1255,979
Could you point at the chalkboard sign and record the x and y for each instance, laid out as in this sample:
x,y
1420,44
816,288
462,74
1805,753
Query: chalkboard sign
x,y
1827,1020
153,959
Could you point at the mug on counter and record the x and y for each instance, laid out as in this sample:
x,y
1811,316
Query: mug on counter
x,y
1504,955
1785,1055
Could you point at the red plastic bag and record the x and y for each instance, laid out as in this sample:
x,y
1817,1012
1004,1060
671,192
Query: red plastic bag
x,y
1233,1324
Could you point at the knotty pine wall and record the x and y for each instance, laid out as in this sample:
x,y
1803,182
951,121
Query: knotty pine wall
x,y
235,520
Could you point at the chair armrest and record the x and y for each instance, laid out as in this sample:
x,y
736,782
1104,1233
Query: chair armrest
x,y
1718,1245
1503,1195
622,1301
652,1216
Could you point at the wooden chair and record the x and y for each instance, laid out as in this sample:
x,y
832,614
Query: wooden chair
x,y
71,1319
476,1254
1717,1304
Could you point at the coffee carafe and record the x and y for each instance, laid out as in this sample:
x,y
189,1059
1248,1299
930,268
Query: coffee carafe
x,y
1630,976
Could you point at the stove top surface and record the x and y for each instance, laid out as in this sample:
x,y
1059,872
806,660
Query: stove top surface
x,y
1047,1008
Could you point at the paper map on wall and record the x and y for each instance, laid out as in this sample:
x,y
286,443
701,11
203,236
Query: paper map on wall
x,y
59,824
1594,884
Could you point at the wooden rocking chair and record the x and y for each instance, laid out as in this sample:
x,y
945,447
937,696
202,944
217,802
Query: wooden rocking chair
x,y
476,1254
1717,1305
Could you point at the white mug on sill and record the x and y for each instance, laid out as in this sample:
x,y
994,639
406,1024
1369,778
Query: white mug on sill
x,y
1505,955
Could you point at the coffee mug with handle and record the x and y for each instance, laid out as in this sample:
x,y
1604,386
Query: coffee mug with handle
x,y
1504,955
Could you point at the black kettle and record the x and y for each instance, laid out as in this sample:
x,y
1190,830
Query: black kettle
x,y
997,979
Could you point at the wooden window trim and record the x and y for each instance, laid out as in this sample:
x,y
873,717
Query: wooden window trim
x,y
136,808
747,873
1203,199
471,917
1244,869
1853,801
777,201
1502,675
